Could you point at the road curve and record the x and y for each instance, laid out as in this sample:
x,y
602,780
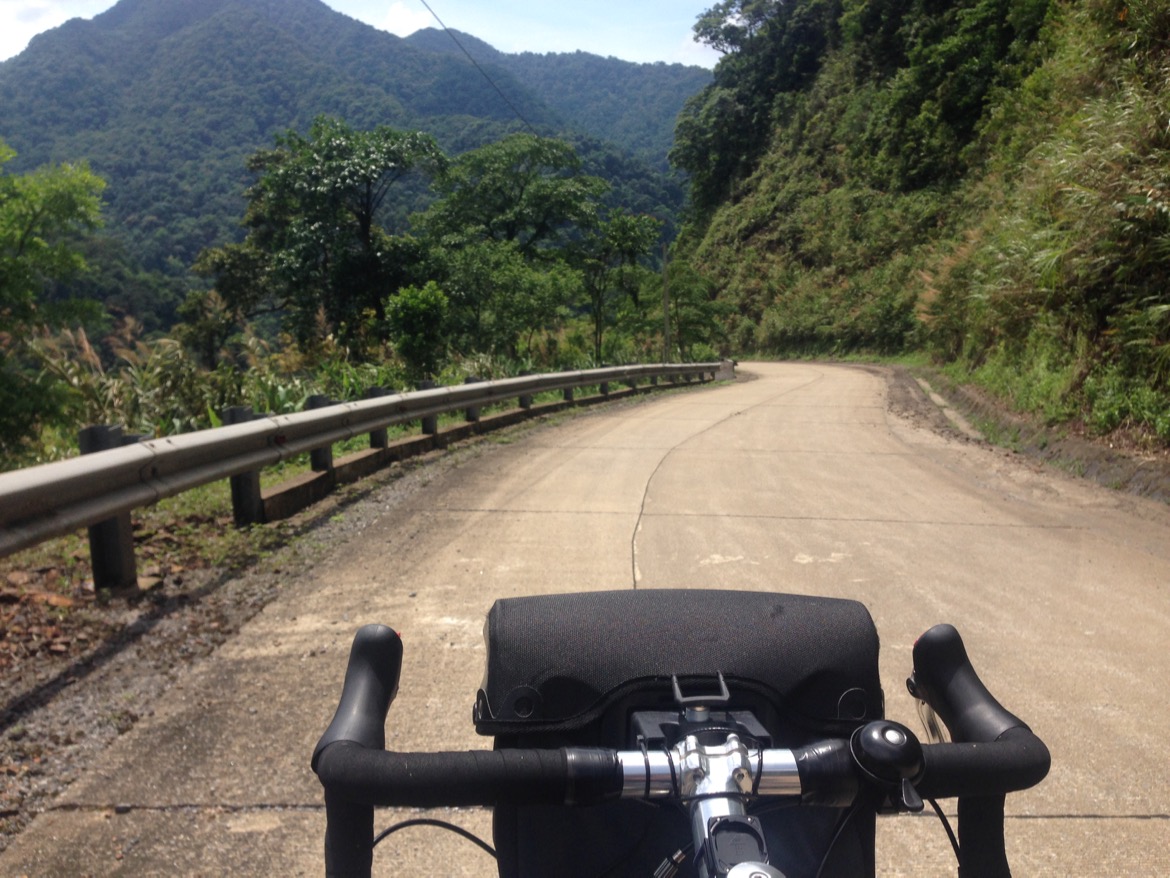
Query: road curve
x,y
795,478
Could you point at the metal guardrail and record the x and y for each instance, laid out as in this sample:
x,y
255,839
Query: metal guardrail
x,y
42,502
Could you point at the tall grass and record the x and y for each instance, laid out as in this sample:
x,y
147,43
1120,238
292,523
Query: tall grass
x,y
1062,304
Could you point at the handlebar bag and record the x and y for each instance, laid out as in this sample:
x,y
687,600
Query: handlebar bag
x,y
571,669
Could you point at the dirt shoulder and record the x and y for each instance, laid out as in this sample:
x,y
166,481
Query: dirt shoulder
x,y
1119,462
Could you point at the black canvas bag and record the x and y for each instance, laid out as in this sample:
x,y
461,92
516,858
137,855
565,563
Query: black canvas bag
x,y
570,669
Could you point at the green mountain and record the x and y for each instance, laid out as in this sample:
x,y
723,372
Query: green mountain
x,y
167,98
635,105
983,180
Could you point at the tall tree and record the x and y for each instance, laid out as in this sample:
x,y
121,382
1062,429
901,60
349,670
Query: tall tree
x,y
727,27
316,246
524,190
607,256
505,214
43,215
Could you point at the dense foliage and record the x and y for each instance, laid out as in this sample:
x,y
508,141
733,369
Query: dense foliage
x,y
518,241
317,244
616,101
519,262
984,179
42,215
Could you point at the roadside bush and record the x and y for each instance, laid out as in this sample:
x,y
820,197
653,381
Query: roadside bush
x,y
1113,402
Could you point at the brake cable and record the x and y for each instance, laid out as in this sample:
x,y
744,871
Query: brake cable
x,y
439,824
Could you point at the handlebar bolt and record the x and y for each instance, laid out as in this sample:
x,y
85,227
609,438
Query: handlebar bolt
x,y
895,737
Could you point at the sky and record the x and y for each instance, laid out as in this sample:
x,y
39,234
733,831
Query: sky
x,y
633,30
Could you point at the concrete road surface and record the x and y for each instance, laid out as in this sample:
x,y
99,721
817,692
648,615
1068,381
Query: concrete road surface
x,y
798,481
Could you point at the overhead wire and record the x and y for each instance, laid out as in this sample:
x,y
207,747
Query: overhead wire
x,y
475,63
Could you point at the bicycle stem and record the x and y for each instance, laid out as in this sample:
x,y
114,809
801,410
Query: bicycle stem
x,y
714,780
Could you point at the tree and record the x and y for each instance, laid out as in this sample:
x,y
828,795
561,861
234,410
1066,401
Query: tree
x,y
524,190
727,27
697,316
506,214
417,318
43,215
498,297
317,248
607,257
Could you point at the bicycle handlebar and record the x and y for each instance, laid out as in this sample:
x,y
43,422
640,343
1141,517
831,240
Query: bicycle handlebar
x,y
994,753
944,678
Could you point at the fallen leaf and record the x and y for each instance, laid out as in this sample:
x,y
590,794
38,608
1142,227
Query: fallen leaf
x,y
48,597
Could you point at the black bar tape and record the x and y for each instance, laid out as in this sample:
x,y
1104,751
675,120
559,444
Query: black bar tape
x,y
1017,761
487,777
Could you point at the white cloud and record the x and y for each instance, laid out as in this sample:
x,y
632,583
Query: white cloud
x,y
690,52
404,20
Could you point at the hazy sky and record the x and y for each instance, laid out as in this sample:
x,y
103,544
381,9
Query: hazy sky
x,y
635,30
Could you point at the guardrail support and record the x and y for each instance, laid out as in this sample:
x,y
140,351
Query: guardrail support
x,y
472,413
378,438
430,424
320,460
247,501
568,394
526,399
604,388
111,542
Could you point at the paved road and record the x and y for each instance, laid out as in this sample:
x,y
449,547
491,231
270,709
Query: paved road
x,y
797,481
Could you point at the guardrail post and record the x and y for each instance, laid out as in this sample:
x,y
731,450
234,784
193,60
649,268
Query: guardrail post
x,y
430,424
111,542
568,394
472,413
247,501
526,398
378,438
321,460
604,388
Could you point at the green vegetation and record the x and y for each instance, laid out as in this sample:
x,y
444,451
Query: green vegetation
x,y
42,214
615,101
315,246
518,263
983,180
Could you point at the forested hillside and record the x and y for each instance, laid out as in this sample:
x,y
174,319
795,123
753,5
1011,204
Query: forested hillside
x,y
983,179
617,101
166,99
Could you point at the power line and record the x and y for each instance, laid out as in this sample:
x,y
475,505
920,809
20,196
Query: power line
x,y
483,72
